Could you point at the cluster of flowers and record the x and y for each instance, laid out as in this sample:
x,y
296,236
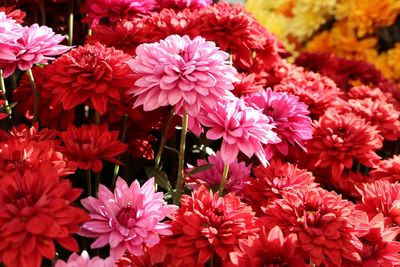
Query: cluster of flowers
x,y
351,29
277,165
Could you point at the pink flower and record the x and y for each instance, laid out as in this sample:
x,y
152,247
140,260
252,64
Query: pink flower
x,y
37,45
184,73
181,4
84,260
10,32
128,220
288,114
241,128
237,176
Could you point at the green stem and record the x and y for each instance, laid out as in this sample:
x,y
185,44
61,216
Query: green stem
x,y
89,182
123,135
179,183
13,80
70,22
96,182
163,140
35,96
223,179
97,118
4,95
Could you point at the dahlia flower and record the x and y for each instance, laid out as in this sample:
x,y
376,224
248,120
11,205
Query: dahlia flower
x,y
128,220
207,225
381,197
114,10
339,140
84,260
15,14
37,45
388,169
271,248
246,85
317,91
187,74
238,174
241,128
380,247
36,212
154,256
270,182
288,115
325,224
181,4
92,74
90,144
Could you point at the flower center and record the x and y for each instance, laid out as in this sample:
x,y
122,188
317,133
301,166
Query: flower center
x,y
127,216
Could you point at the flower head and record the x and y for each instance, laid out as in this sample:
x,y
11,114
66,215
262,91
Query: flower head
x,y
84,260
90,144
184,73
90,74
35,213
241,128
128,220
238,174
388,169
208,225
181,4
288,115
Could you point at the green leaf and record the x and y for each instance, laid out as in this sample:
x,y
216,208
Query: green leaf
x,y
199,169
160,177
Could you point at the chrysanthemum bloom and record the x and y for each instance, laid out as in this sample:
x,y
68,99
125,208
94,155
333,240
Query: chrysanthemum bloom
x,y
271,248
362,92
84,260
90,74
241,128
381,197
339,140
379,245
317,91
187,74
154,256
233,29
37,45
325,224
238,174
246,85
270,182
289,116
128,220
379,113
388,169
347,183
90,144
10,32
36,212
181,4
15,14
114,10
207,225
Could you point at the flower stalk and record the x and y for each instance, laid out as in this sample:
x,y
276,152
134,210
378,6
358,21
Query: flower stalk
x,y
179,183
35,96
71,22
163,140
4,96
223,179
123,136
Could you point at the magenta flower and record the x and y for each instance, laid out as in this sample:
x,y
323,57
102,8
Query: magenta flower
x,y
181,4
37,45
288,114
237,176
10,32
187,74
128,220
84,260
241,128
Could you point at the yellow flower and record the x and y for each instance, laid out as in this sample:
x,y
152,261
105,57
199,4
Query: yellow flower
x,y
388,63
365,16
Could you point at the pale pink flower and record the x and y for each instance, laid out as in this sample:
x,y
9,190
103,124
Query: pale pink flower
x,y
181,4
241,128
37,45
128,220
184,73
288,114
238,174
84,260
10,32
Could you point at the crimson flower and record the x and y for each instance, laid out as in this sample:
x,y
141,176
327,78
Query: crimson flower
x,y
388,169
35,212
90,144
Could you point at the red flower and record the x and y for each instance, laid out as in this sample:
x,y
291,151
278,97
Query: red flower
x,y
347,183
388,169
92,74
270,182
381,197
35,211
90,144
246,85
208,225
362,92
326,225
15,14
317,91
339,140
270,249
